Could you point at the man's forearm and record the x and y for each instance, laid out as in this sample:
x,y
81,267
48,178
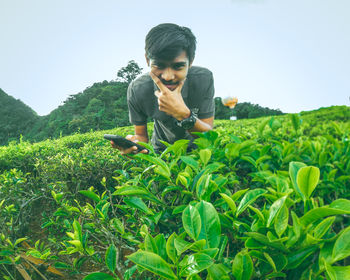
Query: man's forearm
x,y
202,126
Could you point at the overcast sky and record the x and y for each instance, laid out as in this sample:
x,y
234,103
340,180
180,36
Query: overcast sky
x,y
292,55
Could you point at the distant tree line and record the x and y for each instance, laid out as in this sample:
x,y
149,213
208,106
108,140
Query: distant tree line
x,y
244,110
99,107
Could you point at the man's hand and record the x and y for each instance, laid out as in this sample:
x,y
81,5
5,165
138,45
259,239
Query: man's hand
x,y
132,150
171,102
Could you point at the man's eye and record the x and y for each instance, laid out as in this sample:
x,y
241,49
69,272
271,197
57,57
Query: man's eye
x,y
158,66
178,67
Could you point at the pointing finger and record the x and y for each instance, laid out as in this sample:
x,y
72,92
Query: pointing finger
x,y
158,82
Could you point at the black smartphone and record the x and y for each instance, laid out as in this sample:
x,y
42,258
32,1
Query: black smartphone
x,y
124,143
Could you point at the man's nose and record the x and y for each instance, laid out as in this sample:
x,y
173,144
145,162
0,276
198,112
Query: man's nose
x,y
168,74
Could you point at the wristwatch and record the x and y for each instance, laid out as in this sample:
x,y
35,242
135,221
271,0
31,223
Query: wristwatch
x,y
187,123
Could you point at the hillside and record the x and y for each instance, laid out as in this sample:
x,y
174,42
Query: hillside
x,y
101,106
264,198
16,118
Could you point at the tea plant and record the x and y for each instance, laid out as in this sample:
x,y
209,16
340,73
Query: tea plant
x,y
259,199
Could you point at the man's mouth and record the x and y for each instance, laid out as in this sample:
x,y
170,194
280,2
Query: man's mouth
x,y
170,85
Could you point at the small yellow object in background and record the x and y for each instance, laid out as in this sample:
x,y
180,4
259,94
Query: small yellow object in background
x,y
230,102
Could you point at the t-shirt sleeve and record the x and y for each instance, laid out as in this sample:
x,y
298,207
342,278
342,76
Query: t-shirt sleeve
x,y
207,105
136,115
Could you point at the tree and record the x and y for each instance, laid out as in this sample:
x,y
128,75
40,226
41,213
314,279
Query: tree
x,y
246,110
128,73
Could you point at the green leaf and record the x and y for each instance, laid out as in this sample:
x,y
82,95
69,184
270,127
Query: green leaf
x,y
342,204
137,203
153,263
179,209
341,248
150,244
341,272
330,272
294,167
211,228
307,180
91,195
270,261
111,258
323,227
197,263
190,161
161,245
274,209
202,186
238,194
321,212
250,160
170,247
230,202
191,221
258,212
99,276
325,255
181,245
118,225
19,240
77,231
264,240
297,257
281,221
205,156
161,167
211,252
242,266
296,121
131,190
248,199
219,272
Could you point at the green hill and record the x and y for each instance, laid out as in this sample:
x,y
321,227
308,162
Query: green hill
x,y
16,118
101,106
264,198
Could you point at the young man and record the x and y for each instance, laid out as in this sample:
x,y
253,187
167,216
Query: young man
x,y
175,94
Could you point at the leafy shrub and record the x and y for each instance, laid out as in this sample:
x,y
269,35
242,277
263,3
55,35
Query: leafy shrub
x,y
258,199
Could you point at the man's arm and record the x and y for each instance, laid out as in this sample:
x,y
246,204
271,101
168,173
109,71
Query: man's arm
x,y
141,133
202,125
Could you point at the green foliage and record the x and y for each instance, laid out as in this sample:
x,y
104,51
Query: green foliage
x,y
252,202
16,118
246,110
129,73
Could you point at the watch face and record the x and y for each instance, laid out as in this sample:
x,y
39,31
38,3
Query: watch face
x,y
189,122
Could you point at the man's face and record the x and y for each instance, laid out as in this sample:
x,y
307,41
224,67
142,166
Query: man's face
x,y
171,73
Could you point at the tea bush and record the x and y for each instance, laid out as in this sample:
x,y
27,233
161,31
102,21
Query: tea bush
x,y
262,198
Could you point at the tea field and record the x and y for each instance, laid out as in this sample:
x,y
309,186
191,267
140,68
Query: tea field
x,y
265,198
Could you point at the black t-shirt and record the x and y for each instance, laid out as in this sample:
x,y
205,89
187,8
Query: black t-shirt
x,y
198,95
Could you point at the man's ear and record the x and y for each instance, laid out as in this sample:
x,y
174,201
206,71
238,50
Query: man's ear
x,y
147,60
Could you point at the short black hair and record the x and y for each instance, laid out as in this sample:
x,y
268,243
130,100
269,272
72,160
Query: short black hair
x,y
167,40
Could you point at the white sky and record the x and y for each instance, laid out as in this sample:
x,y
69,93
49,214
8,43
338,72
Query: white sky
x,y
292,55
